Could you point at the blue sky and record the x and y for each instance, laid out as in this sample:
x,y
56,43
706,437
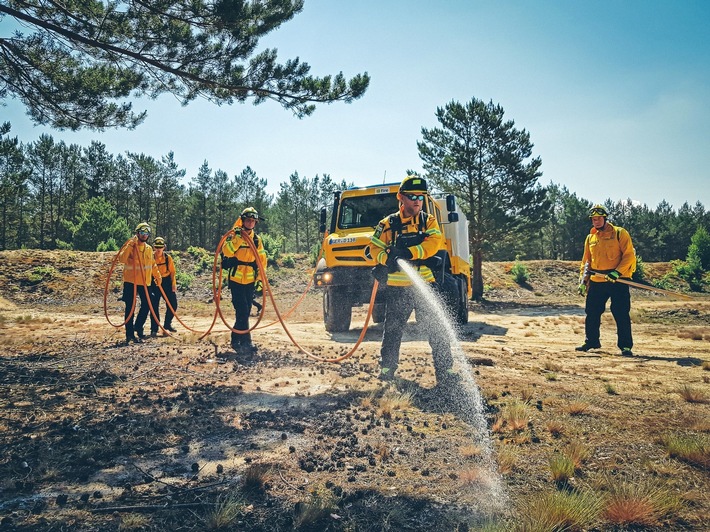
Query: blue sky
x,y
615,95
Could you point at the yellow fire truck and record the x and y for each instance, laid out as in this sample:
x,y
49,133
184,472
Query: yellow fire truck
x,y
344,271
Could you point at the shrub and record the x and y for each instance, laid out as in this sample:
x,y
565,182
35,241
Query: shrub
x,y
640,273
519,271
272,246
289,261
205,259
41,273
183,281
109,245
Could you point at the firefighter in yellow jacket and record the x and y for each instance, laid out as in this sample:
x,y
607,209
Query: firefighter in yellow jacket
x,y
412,235
138,274
243,268
166,266
609,253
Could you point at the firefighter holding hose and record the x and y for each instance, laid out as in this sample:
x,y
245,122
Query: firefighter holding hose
x,y
413,235
239,259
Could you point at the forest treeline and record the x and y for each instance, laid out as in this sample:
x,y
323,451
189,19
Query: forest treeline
x,y
54,195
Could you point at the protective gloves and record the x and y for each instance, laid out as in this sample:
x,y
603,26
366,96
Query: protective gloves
x,y
393,255
379,272
237,231
582,289
258,288
612,276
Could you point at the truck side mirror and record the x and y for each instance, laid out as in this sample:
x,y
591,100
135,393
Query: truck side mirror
x,y
451,203
453,217
323,218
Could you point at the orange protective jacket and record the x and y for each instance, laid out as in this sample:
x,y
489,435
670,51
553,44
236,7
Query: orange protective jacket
x,y
237,247
134,255
166,267
607,250
383,238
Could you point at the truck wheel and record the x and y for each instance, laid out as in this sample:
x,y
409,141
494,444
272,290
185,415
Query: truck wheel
x,y
337,310
462,306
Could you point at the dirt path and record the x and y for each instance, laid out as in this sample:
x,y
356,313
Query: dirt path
x,y
96,435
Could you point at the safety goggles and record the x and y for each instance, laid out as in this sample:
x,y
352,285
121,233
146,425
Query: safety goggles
x,y
251,215
597,212
142,232
414,197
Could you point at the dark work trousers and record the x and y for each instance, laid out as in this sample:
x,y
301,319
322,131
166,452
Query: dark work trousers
x,y
167,286
142,312
242,296
400,301
597,296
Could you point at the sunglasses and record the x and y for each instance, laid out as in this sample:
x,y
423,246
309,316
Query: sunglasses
x,y
414,197
143,232
251,215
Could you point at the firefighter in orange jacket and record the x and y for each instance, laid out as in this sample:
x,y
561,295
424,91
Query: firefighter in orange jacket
x,y
609,253
138,274
166,266
412,235
243,268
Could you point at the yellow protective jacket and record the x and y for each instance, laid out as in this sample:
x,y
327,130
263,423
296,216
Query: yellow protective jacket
x,y
134,255
248,270
607,250
384,238
166,267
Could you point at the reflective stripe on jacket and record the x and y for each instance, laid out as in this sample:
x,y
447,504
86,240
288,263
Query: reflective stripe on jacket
x,y
133,262
237,247
383,238
607,250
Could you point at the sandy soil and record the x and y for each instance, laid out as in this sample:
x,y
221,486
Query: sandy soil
x,y
97,435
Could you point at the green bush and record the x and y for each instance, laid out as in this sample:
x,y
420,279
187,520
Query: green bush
x,y
519,272
109,245
640,273
183,281
272,246
41,273
288,261
205,259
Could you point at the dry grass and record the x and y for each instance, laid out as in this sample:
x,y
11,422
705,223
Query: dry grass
x,y
507,459
555,428
516,415
692,395
557,511
577,408
470,451
310,513
133,522
255,478
552,366
393,401
230,506
578,453
639,504
561,467
691,448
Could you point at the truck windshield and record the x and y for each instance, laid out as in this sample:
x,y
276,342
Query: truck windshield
x,y
366,211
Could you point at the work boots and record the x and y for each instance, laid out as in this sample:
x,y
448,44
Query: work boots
x,y
587,345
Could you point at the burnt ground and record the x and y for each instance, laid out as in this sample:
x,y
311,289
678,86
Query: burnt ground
x,y
178,433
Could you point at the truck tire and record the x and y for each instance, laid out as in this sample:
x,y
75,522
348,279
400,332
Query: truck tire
x,y
337,310
462,307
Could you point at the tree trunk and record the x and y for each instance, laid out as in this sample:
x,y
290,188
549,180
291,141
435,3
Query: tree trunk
x,y
477,276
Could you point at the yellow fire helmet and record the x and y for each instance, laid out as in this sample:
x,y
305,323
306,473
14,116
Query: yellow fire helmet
x,y
598,210
143,226
250,212
413,184
159,242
